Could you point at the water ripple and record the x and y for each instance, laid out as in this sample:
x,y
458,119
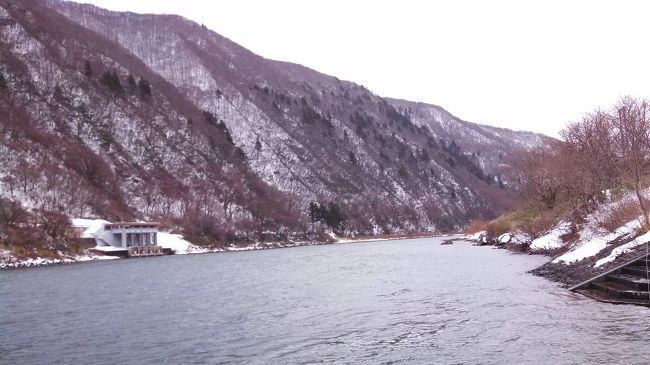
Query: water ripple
x,y
381,303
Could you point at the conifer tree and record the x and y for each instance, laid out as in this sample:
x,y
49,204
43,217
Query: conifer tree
x,y
145,88
3,82
88,69
112,81
131,81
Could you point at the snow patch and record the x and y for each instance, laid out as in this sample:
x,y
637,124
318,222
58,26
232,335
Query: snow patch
x,y
178,244
551,240
90,226
521,238
108,248
618,251
8,261
475,237
592,241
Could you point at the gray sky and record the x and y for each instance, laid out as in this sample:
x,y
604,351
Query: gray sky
x,y
515,64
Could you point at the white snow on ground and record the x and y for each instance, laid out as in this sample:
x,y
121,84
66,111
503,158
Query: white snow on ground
x,y
592,241
551,240
505,238
475,236
618,251
165,239
90,226
8,261
107,248
521,238
178,244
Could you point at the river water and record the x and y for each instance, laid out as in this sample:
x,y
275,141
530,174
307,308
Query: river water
x,y
407,301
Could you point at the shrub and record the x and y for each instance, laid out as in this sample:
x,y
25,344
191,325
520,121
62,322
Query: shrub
x,y
537,226
44,253
617,214
476,226
496,228
144,87
3,82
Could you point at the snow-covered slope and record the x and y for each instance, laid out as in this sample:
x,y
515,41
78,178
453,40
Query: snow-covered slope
x,y
225,143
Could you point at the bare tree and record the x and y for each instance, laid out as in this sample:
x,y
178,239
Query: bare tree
x,y
631,128
590,153
537,174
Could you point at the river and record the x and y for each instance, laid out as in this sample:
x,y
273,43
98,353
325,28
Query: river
x,y
405,301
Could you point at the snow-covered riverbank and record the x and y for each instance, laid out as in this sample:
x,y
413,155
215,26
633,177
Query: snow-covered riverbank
x,y
580,251
176,243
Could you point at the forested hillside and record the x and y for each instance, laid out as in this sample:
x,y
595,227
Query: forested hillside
x,y
125,116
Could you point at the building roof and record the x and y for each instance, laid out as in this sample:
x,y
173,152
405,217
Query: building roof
x,y
132,225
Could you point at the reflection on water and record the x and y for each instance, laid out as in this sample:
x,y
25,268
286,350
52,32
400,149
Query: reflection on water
x,y
408,301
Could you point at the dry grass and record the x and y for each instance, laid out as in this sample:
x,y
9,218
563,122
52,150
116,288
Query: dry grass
x,y
46,254
531,219
537,226
498,227
22,253
617,214
477,225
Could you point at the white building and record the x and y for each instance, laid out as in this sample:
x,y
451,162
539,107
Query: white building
x,y
138,238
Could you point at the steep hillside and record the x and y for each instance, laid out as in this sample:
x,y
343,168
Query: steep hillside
x,y
128,116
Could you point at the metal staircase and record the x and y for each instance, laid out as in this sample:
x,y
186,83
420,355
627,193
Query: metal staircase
x,y
626,284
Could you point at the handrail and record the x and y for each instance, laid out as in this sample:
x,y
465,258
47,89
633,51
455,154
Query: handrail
x,y
584,283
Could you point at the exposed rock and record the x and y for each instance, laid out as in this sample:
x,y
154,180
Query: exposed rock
x,y
128,116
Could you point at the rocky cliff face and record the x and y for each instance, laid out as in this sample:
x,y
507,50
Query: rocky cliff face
x,y
129,116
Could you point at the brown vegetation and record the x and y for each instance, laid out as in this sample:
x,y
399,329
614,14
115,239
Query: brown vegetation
x,y
606,151
614,216
477,225
26,232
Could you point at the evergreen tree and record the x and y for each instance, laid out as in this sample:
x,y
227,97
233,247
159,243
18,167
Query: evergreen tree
x,y
330,214
314,212
3,82
226,132
352,158
145,88
334,216
112,81
88,69
258,144
210,118
131,81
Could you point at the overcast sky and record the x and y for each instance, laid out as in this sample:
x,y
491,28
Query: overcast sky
x,y
515,64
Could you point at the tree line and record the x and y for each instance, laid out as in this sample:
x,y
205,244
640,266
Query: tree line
x,y
331,215
608,150
112,81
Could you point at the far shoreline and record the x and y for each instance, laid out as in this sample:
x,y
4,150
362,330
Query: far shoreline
x,y
42,262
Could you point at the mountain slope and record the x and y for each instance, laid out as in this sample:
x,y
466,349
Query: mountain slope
x,y
157,117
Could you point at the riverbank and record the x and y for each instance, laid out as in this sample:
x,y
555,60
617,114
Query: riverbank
x,y
180,246
570,273
578,250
